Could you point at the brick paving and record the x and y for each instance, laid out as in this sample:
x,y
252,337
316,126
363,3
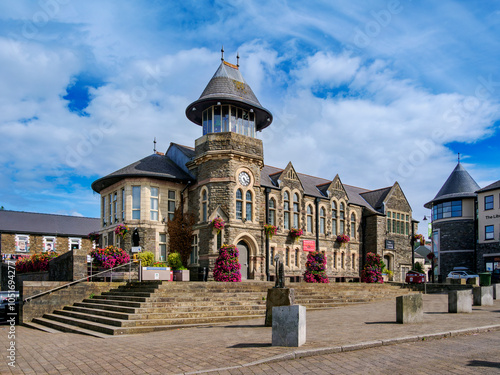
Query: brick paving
x,y
247,341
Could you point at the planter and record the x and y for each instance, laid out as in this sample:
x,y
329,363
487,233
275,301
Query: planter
x,y
156,273
182,275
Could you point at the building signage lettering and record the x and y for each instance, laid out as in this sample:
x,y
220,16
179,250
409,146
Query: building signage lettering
x,y
389,244
492,216
309,245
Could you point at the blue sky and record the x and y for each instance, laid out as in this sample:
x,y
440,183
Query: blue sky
x,y
376,91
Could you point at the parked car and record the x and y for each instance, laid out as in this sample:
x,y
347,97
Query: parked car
x,y
462,275
6,300
495,276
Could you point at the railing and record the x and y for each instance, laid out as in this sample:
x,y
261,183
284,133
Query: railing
x,y
129,264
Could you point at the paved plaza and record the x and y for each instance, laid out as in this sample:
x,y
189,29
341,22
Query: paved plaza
x,y
361,331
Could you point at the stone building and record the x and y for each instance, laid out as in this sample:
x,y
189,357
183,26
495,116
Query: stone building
x,y
488,224
26,233
224,176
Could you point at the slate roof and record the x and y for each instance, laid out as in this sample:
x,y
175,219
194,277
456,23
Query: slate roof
x,y
458,185
47,224
493,186
156,166
228,86
376,197
186,150
314,186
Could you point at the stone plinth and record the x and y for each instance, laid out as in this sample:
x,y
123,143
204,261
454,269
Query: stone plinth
x,y
289,325
277,297
460,301
483,296
496,291
409,309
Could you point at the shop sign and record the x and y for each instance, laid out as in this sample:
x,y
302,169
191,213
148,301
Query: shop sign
x,y
389,244
309,245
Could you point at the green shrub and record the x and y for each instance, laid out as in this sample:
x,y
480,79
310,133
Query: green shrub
x,y
418,267
175,262
147,258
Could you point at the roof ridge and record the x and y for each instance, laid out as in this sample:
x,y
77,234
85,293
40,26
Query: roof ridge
x,y
44,213
372,191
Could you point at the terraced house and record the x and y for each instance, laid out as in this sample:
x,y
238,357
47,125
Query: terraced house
x,y
225,176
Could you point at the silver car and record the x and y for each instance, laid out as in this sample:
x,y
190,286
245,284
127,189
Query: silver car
x,y
462,275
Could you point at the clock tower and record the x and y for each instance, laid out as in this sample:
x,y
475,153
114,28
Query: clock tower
x,y
227,165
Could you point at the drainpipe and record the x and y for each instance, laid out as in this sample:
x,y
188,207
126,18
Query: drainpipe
x,y
266,192
475,235
316,201
182,196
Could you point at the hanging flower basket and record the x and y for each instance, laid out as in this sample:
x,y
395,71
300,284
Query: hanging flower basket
x,y
296,233
430,256
343,238
419,238
94,237
121,230
218,224
270,230
109,257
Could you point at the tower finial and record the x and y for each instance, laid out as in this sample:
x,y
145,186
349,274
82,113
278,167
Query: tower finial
x,y
154,145
238,59
459,158
222,53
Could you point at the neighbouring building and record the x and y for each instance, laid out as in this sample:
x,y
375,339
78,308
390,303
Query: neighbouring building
x,y
488,224
225,176
26,233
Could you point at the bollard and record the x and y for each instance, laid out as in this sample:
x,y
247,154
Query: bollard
x,y
289,325
483,295
460,301
409,309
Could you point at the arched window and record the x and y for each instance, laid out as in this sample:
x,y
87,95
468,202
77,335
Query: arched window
x,y
322,219
296,210
286,210
334,218
239,204
287,257
272,211
342,219
249,210
297,257
309,219
204,205
353,225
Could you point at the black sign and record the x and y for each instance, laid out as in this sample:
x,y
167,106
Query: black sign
x,y
389,244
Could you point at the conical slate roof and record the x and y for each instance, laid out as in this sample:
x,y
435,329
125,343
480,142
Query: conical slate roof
x,y
459,185
227,86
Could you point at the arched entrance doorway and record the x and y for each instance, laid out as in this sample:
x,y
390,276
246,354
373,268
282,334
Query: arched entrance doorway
x,y
243,259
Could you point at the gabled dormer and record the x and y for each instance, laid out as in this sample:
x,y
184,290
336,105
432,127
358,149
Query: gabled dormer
x,y
290,178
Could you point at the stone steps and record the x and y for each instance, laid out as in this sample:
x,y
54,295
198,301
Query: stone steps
x,y
154,306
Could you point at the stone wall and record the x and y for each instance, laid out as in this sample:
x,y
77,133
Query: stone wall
x,y
483,249
57,300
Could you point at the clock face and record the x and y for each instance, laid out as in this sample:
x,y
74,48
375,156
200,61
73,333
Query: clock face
x,y
244,178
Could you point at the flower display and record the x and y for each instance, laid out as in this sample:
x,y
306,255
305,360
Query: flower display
x,y
121,230
227,268
343,238
109,257
419,238
296,233
94,237
270,230
372,271
218,224
35,263
316,268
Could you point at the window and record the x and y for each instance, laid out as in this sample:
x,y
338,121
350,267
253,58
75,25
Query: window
x,y
296,210
49,244
389,225
74,243
286,210
488,202
398,223
334,218
163,246
239,204
272,211
297,257
447,209
115,207
136,202
322,220
154,204
342,219
103,211
335,259
123,204
204,206
22,243
353,226
309,219
353,261
342,262
287,257
110,212
489,233
228,118
194,249
248,205
271,256
171,204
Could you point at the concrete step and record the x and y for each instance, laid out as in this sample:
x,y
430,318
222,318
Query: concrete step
x,y
119,297
112,308
75,326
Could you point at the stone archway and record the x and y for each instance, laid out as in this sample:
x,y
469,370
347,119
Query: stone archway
x,y
246,243
243,259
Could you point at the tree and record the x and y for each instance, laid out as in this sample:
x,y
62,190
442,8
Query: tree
x,y
180,234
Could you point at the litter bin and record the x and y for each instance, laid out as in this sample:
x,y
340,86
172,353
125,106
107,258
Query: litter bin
x,y
485,279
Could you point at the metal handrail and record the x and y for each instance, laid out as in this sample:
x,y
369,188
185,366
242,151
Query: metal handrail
x,y
27,299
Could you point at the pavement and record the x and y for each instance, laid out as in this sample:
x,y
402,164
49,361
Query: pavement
x,y
236,346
